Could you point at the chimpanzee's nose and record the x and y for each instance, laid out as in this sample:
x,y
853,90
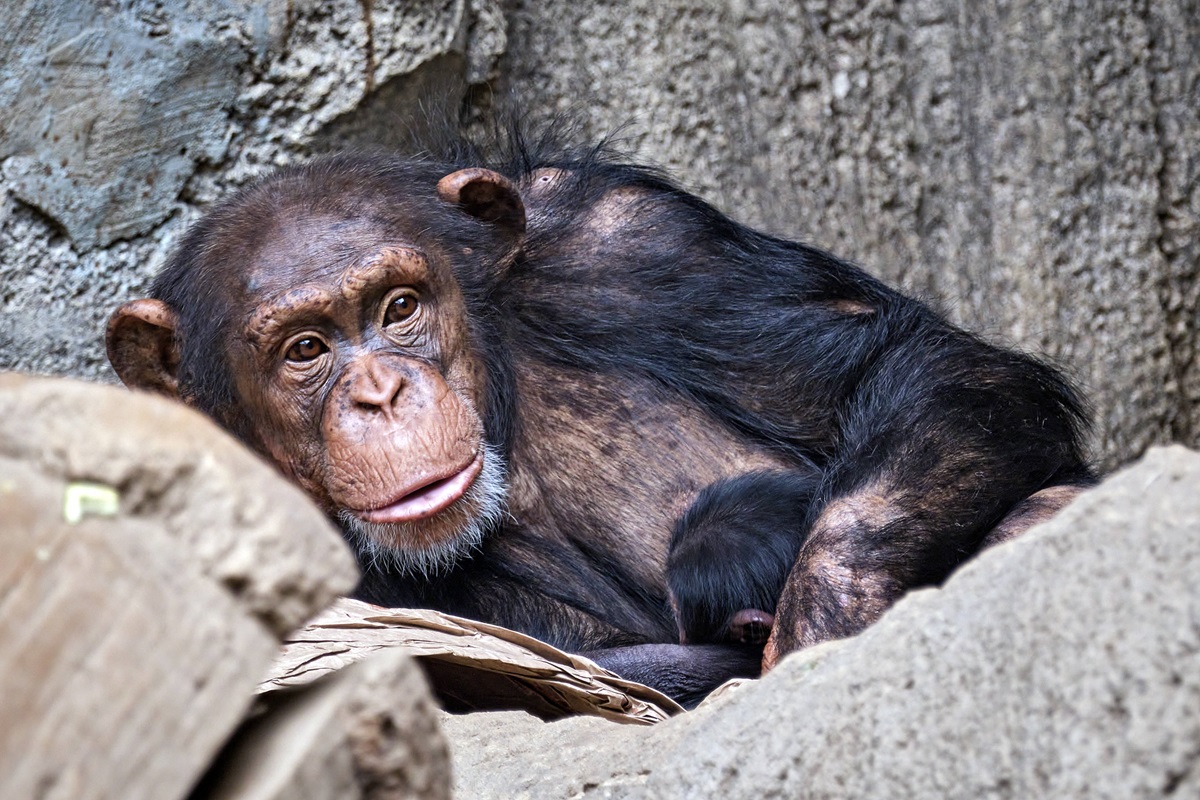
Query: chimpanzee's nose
x,y
377,385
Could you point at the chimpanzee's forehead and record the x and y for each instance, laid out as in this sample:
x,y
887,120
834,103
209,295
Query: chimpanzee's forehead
x,y
304,247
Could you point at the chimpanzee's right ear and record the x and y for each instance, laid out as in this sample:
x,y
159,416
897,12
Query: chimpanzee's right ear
x,y
142,346
486,195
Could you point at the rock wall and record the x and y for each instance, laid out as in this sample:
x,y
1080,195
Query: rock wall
x,y
123,121
1031,167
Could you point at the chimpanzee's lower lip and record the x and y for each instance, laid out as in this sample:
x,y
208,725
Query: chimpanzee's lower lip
x,y
428,500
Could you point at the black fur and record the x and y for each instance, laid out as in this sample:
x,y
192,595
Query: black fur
x,y
733,548
688,672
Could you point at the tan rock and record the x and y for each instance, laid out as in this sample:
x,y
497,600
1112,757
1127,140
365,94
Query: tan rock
x,y
148,565
367,731
242,524
123,667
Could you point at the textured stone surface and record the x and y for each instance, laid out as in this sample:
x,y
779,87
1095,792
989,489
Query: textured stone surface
x,y
243,525
1062,664
368,731
148,564
125,119
1030,166
111,110
124,667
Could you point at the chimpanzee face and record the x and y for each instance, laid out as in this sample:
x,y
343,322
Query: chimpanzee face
x,y
351,363
353,359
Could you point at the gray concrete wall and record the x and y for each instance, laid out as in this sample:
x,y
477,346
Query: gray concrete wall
x,y
1032,167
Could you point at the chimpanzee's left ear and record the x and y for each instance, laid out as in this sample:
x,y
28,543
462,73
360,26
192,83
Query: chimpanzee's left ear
x,y
486,195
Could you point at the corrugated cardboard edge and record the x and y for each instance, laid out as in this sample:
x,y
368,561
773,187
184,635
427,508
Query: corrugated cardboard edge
x,y
471,665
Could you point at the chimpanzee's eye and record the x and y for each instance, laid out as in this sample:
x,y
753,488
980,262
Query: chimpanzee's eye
x,y
306,349
400,308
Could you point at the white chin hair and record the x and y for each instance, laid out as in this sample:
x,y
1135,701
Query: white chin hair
x,y
466,522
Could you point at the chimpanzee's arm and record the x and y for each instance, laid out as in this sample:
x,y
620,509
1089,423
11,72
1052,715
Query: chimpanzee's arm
x,y
941,437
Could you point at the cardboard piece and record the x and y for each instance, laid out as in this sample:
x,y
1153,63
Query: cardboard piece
x,y
472,666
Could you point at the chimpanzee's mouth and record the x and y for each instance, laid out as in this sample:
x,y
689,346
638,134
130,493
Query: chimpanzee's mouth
x,y
426,500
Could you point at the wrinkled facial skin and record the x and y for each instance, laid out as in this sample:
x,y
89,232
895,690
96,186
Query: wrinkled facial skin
x,y
354,360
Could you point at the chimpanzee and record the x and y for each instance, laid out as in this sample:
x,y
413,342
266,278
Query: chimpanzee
x,y
558,393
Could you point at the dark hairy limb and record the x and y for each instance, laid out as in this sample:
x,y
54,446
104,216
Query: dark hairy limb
x,y
913,489
686,673
730,553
